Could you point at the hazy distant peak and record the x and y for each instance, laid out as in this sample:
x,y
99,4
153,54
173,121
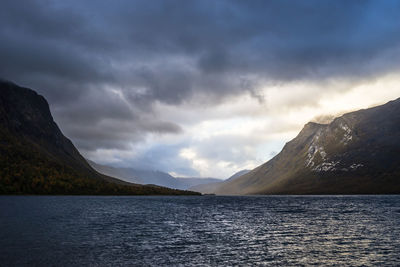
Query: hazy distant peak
x,y
238,174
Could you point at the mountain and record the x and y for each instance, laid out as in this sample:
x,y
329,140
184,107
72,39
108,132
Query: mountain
x,y
237,175
211,187
187,183
137,176
150,177
36,158
357,153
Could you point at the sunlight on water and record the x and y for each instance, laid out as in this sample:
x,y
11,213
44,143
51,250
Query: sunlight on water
x,y
159,231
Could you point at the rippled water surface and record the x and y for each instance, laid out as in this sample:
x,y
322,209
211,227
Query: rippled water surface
x,y
208,230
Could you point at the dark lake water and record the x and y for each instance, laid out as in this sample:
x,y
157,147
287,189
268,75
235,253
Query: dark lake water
x,y
187,231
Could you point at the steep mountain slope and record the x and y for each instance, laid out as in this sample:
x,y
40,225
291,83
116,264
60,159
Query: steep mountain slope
x,y
357,153
36,158
150,177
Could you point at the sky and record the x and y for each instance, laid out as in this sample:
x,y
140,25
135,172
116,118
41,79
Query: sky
x,y
199,88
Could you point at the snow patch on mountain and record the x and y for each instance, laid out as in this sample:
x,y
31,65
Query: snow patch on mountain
x,y
313,150
334,166
356,166
326,166
347,136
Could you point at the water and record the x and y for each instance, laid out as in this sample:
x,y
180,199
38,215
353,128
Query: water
x,y
187,231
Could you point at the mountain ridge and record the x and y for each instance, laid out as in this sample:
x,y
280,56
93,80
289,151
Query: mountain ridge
x,y
36,158
357,153
150,176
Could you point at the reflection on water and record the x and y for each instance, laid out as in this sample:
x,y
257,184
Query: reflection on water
x,y
209,230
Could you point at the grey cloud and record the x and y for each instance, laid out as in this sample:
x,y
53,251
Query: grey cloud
x,y
162,157
76,52
103,119
230,148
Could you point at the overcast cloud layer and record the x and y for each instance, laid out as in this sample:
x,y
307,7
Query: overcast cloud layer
x,y
198,87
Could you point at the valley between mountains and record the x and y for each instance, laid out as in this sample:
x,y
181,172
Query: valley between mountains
x,y
357,153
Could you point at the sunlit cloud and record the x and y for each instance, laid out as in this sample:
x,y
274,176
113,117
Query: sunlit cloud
x,y
212,89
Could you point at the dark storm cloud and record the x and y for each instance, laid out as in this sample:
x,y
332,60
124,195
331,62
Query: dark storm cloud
x,y
104,119
79,53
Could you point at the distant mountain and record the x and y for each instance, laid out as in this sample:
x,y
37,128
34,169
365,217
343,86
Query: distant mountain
x,y
36,158
137,176
150,177
193,181
237,175
211,187
357,153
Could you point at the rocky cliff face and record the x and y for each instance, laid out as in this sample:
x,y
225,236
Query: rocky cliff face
x,y
36,158
26,115
358,152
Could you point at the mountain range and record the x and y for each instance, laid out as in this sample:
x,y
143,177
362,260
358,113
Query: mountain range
x,y
36,158
151,177
357,153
